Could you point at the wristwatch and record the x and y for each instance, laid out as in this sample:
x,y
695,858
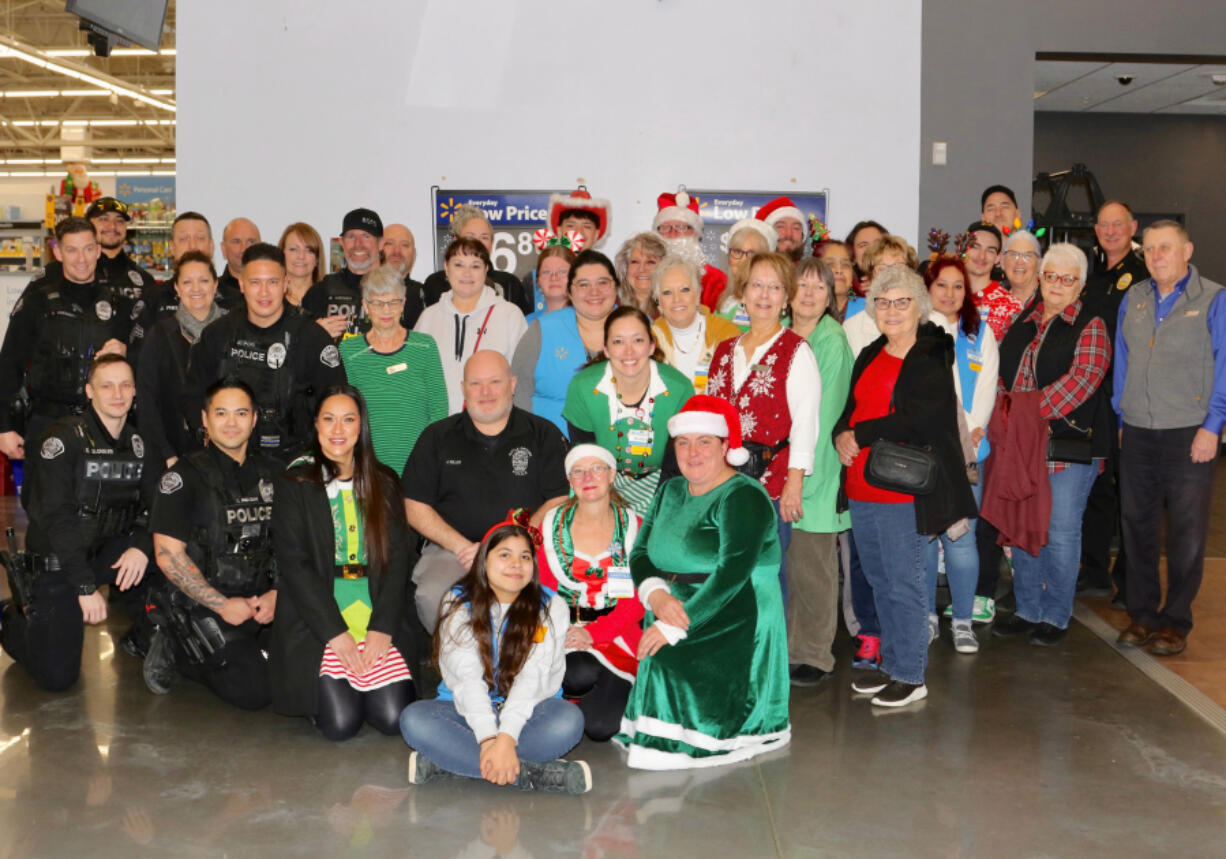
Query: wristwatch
x,y
86,590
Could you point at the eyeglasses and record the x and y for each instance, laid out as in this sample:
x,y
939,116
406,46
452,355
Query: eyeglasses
x,y
1013,256
765,286
674,229
594,471
599,283
898,303
738,254
389,304
1066,279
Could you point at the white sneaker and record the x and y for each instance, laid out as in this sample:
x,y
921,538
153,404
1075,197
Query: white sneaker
x,y
964,637
934,628
900,694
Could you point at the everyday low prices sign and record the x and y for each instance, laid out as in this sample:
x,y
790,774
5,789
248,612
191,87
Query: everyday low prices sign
x,y
514,216
721,209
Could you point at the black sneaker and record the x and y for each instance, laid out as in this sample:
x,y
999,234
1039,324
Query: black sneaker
x,y
1012,626
900,694
1046,635
159,668
135,644
808,675
573,777
869,681
422,769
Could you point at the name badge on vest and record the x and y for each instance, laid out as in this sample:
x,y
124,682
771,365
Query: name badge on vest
x,y
640,442
700,376
397,368
620,583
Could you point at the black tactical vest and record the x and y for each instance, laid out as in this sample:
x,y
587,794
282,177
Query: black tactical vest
x,y
77,321
108,488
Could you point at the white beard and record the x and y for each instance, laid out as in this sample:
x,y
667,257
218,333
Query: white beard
x,y
689,249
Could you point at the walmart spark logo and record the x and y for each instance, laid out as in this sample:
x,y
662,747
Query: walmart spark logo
x,y
124,189
447,208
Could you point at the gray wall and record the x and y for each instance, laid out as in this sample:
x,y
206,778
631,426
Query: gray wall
x,y
977,82
1184,158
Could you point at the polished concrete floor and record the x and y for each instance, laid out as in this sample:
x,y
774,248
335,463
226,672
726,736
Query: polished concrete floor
x,y
1019,751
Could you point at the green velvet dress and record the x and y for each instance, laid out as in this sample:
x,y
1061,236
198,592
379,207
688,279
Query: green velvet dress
x,y
721,694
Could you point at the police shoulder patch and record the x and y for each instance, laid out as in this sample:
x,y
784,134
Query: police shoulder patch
x,y
52,447
330,356
138,445
134,276
171,482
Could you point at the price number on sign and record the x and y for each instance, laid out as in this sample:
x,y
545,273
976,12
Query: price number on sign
x,y
513,252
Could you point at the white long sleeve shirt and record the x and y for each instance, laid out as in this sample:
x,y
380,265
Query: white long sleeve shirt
x,y
980,413
540,678
804,392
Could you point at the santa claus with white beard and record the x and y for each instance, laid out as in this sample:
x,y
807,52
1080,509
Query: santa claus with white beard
x,y
680,226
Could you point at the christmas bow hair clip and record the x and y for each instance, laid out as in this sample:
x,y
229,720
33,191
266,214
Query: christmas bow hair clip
x,y
519,516
544,238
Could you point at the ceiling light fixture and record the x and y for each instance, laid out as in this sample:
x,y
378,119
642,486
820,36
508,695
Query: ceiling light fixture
x,y
12,48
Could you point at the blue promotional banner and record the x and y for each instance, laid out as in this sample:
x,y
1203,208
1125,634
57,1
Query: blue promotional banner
x,y
143,189
721,209
514,216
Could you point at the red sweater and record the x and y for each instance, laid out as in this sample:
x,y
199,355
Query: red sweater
x,y
874,392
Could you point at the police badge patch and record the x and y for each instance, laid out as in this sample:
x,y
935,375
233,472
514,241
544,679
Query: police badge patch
x,y
103,310
52,447
330,357
520,457
171,482
266,490
135,277
1124,282
276,355
138,446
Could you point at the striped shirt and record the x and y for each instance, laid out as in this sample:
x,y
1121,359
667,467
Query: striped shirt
x,y
405,392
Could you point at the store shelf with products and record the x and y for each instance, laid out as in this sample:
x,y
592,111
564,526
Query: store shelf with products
x,y
22,245
149,239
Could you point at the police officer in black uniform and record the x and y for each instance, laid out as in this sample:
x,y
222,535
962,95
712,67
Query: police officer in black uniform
x,y
285,357
56,329
110,218
1117,266
190,231
88,526
336,301
212,535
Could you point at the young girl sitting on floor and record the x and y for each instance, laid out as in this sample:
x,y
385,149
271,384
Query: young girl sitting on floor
x,y
500,647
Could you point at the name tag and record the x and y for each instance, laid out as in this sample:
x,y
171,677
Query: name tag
x,y
640,442
620,584
1191,313
975,366
397,368
741,317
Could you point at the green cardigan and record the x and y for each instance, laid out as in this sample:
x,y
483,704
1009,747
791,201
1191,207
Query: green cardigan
x,y
821,488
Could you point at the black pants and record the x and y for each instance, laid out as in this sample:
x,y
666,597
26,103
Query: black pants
x,y
238,672
340,709
47,639
1098,528
1155,468
600,694
990,558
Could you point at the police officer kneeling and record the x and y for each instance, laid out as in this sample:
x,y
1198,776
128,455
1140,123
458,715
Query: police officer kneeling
x,y
212,535
87,512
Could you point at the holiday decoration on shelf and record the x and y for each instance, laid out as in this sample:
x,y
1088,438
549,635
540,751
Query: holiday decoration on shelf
x,y
818,232
77,187
544,238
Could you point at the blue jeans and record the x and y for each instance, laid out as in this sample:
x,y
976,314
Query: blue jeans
x,y
892,554
961,567
785,540
436,730
862,605
1045,586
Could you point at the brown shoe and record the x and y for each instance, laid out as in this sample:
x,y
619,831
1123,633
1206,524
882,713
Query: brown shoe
x,y
1169,642
1136,635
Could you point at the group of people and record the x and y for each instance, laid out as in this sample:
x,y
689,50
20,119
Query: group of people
x,y
614,498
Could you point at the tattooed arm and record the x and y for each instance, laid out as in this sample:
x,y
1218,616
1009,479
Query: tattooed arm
x,y
183,573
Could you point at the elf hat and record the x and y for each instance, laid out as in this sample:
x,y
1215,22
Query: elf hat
x,y
780,207
677,207
760,227
588,451
709,415
580,199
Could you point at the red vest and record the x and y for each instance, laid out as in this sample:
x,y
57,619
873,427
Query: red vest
x,y
762,401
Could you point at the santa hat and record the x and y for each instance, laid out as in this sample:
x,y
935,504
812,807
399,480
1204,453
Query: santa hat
x,y
780,207
588,451
582,200
761,227
709,415
677,207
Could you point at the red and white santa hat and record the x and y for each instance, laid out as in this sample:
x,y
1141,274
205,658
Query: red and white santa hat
x,y
761,227
709,415
781,207
582,200
677,207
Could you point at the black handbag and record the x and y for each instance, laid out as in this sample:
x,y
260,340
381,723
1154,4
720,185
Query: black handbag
x,y
1079,451
901,467
760,456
